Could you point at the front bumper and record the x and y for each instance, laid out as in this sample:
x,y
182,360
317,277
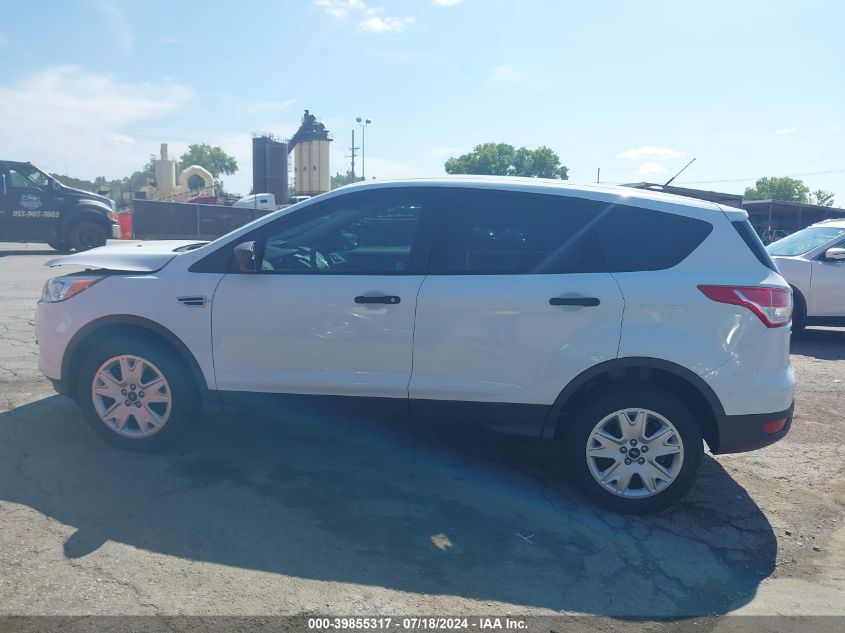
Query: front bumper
x,y
115,231
741,433
60,386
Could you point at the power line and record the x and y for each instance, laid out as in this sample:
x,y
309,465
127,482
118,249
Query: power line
x,y
755,178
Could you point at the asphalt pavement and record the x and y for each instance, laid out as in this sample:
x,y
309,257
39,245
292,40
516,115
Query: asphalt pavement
x,y
333,516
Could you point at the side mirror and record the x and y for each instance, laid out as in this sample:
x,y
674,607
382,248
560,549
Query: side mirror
x,y
245,257
834,254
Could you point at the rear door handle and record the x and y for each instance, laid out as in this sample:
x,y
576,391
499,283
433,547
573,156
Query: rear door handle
x,y
587,302
389,299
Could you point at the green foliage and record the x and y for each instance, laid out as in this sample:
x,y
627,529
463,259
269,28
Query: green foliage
x,y
338,180
501,159
778,188
823,198
77,183
214,159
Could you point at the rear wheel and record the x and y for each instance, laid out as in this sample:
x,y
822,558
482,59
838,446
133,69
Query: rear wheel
x,y
634,450
87,235
136,394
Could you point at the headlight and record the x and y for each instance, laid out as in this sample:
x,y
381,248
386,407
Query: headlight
x,y
62,288
112,216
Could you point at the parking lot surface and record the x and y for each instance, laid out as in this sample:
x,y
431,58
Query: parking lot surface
x,y
328,516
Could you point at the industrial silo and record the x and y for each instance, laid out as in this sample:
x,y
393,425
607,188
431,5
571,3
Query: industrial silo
x,y
270,167
311,157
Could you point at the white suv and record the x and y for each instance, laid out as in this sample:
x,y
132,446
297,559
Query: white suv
x,y
813,262
626,325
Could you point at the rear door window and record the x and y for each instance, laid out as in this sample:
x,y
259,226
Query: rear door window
x,y
510,233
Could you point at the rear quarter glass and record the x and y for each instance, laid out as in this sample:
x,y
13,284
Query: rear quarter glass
x,y
638,239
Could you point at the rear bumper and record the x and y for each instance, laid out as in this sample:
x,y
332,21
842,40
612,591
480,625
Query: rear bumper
x,y
741,433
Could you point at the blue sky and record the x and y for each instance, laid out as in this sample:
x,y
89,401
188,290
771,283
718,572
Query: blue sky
x,y
637,88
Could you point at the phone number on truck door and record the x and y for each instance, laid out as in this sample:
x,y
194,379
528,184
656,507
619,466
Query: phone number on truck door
x,y
21,213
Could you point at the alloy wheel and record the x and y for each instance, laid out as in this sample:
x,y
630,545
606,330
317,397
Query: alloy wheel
x,y
635,453
131,396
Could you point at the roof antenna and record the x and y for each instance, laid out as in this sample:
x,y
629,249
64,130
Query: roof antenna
x,y
679,173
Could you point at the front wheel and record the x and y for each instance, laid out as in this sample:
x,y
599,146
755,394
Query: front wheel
x,y
86,235
634,450
799,312
136,394
62,247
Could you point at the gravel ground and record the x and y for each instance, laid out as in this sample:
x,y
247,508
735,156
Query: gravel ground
x,y
329,517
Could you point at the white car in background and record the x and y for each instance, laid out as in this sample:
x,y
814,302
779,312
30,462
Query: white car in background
x,y
813,262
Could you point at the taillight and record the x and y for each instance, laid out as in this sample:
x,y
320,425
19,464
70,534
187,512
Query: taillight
x,y
773,306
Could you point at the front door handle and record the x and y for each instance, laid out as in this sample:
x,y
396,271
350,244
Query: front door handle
x,y
586,302
389,299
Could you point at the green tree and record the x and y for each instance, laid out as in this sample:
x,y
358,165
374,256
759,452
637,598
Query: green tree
x,y
778,188
823,198
501,159
338,180
76,183
214,159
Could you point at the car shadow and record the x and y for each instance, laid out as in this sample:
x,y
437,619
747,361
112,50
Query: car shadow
x,y
488,519
821,343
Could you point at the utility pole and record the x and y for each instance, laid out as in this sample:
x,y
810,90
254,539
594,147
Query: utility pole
x,y
363,122
352,149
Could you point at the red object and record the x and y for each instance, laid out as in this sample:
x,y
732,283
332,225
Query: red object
x,y
124,220
774,426
203,200
773,306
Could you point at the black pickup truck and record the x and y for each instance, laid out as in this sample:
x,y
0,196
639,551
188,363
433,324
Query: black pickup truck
x,y
35,207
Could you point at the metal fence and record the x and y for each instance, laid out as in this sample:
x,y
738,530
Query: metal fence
x,y
178,220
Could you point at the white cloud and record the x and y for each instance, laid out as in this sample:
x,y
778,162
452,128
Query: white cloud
x,y
785,130
116,22
651,168
377,24
336,8
372,19
447,3
270,105
66,116
649,151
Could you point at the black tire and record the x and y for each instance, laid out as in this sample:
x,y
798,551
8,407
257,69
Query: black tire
x,y
62,247
580,427
86,235
799,311
180,386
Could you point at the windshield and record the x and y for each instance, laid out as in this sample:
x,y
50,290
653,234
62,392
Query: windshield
x,y
804,241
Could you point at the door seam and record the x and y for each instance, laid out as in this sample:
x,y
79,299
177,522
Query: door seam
x,y
414,336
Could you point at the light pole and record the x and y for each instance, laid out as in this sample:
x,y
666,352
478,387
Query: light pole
x,y
363,122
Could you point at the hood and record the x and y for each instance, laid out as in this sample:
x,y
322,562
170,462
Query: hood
x,y
142,257
85,194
